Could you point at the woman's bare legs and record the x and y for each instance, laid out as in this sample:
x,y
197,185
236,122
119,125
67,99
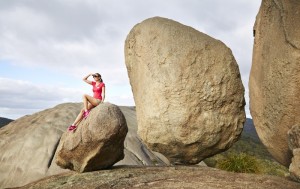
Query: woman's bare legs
x,y
80,115
89,99
89,102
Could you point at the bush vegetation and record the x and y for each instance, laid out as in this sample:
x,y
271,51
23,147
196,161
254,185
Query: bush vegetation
x,y
240,163
249,155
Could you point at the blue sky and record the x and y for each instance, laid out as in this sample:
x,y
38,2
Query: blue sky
x,y
47,47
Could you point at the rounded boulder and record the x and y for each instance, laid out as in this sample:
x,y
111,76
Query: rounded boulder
x,y
97,143
187,89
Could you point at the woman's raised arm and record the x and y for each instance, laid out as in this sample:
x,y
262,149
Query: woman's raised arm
x,y
85,79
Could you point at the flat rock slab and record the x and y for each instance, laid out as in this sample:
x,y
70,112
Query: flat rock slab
x,y
162,177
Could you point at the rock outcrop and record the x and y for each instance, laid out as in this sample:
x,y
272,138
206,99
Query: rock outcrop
x,y
28,145
97,143
187,89
136,152
275,75
163,177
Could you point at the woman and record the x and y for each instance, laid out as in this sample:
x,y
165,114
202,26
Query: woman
x,y
90,102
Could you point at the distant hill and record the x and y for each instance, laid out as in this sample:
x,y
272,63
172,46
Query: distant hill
x,y
249,130
250,142
4,121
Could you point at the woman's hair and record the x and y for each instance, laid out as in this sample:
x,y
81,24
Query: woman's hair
x,y
97,74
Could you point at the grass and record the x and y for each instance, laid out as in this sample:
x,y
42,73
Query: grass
x,y
248,155
239,163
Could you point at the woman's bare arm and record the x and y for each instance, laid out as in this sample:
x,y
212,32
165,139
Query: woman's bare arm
x,y
85,79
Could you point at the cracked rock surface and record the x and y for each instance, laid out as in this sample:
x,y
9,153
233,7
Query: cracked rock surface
x,y
97,143
28,145
275,75
187,89
162,177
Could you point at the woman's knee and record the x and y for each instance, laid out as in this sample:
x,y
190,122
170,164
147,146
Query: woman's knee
x,y
84,96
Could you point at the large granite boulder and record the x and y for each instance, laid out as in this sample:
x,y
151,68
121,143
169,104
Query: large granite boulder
x,y
97,143
187,89
28,145
275,75
136,152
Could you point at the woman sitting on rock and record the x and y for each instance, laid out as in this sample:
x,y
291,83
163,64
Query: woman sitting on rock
x,y
90,102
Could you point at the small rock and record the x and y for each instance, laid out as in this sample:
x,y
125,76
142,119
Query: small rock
x,y
295,165
294,137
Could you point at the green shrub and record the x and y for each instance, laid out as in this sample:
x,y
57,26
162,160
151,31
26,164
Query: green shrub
x,y
240,163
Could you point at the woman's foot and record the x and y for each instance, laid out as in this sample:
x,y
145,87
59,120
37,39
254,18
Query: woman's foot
x,y
86,114
72,128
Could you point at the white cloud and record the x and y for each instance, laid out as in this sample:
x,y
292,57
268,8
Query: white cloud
x,y
17,95
77,37
16,112
22,91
